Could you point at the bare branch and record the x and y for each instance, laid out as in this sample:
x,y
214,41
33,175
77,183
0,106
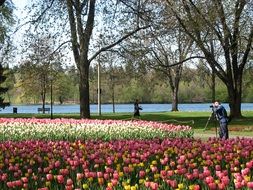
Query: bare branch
x,y
117,42
181,62
59,47
248,49
35,20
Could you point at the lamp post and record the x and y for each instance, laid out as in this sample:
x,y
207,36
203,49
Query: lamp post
x,y
51,97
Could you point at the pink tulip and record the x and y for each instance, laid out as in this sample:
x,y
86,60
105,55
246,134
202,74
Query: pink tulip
x,y
4,177
49,177
114,182
147,184
238,185
245,171
209,179
154,186
142,174
154,169
24,179
221,186
225,180
25,185
163,173
106,176
173,183
212,186
10,184
18,183
196,187
60,179
68,187
206,173
249,165
115,175
57,164
170,173
217,167
79,176
250,185
126,169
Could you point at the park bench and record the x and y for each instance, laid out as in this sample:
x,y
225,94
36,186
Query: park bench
x,y
45,109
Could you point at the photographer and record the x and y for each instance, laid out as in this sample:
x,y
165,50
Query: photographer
x,y
221,115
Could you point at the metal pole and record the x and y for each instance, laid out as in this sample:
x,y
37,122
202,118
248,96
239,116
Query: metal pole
x,y
99,90
51,99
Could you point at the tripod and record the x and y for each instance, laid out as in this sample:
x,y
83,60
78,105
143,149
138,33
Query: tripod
x,y
213,117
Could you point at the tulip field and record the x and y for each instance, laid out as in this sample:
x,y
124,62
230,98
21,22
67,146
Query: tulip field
x,y
67,154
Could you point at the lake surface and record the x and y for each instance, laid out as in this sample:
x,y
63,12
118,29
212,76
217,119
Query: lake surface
x,y
119,108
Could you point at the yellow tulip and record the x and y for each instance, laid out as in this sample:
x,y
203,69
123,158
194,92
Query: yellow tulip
x,y
85,186
181,186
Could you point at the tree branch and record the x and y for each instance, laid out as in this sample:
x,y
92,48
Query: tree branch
x,y
117,42
181,62
75,45
246,53
59,47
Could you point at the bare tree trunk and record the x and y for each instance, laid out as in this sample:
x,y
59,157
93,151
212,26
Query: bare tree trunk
x,y
84,90
235,94
174,105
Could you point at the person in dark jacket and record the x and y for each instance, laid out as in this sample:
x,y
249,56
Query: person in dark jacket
x,y
137,108
221,115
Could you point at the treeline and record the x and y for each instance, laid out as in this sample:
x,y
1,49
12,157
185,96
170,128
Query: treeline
x,y
119,84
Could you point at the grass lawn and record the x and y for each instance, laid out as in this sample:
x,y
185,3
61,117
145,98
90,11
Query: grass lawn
x,y
197,120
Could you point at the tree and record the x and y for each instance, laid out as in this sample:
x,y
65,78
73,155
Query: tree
x,y
168,50
83,17
39,70
2,2
3,90
80,38
6,21
223,31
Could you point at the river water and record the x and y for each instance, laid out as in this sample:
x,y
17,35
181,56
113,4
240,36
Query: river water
x,y
120,108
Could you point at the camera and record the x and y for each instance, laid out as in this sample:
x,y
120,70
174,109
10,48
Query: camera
x,y
211,106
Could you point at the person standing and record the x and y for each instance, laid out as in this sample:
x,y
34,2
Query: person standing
x,y
221,115
137,108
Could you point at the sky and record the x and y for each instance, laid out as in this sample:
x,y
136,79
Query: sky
x,y
18,35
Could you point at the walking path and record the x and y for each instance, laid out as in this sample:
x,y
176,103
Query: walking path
x,y
232,134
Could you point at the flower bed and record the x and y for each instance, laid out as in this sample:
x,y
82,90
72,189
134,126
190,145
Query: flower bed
x,y
70,129
127,164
